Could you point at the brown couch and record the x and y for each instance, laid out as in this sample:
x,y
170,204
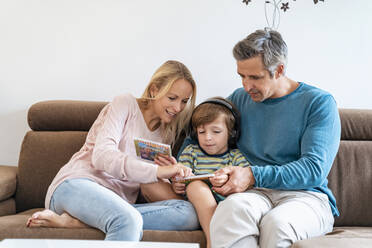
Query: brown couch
x,y
58,129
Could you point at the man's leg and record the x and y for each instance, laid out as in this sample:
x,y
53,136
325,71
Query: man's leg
x,y
297,215
236,219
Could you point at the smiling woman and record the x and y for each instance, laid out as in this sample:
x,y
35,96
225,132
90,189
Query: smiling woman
x,y
104,177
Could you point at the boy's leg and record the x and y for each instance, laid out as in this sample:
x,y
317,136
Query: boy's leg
x,y
200,195
168,215
159,191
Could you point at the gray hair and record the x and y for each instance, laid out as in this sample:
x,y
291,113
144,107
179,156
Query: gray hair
x,y
268,43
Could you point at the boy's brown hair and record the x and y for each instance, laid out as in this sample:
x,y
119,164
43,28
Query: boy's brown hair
x,y
207,112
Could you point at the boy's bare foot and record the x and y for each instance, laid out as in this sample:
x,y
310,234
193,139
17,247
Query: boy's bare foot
x,y
48,218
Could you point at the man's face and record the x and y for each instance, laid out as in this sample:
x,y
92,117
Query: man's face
x,y
256,80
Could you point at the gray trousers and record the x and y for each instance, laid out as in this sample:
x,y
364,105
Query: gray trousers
x,y
270,218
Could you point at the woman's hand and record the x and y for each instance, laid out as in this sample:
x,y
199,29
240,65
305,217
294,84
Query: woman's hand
x,y
176,170
163,160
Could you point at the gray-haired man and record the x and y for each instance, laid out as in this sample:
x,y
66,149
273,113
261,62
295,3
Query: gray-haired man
x,y
290,132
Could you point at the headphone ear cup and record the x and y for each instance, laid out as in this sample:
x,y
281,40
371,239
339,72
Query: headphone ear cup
x,y
233,134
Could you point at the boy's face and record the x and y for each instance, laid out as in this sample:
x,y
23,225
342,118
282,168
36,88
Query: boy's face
x,y
213,137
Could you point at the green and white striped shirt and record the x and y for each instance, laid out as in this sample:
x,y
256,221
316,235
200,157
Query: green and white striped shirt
x,y
202,163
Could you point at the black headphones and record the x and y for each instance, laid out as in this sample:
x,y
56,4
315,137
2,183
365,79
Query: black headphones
x,y
233,140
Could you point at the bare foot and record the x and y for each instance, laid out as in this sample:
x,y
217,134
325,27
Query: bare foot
x,y
48,218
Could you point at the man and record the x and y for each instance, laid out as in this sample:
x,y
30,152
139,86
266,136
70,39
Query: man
x,y
290,132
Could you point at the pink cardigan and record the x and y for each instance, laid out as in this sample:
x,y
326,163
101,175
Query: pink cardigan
x,y
108,155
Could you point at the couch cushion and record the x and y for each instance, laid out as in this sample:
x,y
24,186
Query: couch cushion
x,y
42,155
350,180
360,237
63,115
14,226
356,124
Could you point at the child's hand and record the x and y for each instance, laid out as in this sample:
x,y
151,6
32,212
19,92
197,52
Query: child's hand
x,y
163,160
178,188
219,179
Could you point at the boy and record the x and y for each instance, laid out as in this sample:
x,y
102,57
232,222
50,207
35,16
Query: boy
x,y
215,125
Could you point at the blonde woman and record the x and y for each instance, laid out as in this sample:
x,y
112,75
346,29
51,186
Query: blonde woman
x,y
99,185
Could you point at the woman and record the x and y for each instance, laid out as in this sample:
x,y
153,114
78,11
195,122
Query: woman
x,y
100,184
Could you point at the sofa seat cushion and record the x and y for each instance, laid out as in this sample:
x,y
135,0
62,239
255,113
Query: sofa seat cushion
x,y
360,237
14,226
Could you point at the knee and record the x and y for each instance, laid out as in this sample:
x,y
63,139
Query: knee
x,y
129,224
196,187
276,231
272,223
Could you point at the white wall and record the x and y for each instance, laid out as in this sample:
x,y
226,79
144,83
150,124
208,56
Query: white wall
x,y
96,49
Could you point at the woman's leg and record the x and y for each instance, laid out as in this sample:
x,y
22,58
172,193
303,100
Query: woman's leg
x,y
200,195
168,215
98,207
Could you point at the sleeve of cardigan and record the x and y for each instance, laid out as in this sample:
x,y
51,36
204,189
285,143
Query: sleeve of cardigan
x,y
106,154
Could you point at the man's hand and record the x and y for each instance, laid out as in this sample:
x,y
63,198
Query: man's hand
x,y
239,180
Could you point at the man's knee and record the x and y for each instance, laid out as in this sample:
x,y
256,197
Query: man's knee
x,y
276,231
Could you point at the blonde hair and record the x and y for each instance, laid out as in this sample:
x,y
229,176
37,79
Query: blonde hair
x,y
163,79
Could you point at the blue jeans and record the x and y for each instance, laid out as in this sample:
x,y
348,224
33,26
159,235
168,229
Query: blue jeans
x,y
103,209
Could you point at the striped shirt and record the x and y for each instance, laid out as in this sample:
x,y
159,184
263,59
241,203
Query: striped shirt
x,y
201,163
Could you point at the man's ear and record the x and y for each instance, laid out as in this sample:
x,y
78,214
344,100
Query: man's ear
x,y
279,71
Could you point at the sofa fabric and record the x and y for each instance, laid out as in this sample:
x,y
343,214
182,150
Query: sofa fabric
x,y
59,129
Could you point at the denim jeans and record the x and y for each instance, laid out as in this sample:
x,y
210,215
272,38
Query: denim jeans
x,y
101,208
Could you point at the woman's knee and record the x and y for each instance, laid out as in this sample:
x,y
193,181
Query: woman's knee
x,y
126,225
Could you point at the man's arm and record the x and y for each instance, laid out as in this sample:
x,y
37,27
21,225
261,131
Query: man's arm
x,y
319,146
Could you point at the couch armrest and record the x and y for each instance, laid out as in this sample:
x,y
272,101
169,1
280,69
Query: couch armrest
x,y
8,181
7,207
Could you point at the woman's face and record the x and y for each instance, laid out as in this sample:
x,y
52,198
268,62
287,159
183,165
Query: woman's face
x,y
174,101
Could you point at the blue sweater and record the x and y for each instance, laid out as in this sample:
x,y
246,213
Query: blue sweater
x,y
290,141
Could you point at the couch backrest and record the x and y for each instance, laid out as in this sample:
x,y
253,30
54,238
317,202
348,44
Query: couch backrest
x,y
350,178
59,128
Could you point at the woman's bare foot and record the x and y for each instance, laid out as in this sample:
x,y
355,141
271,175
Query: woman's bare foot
x,y
48,218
